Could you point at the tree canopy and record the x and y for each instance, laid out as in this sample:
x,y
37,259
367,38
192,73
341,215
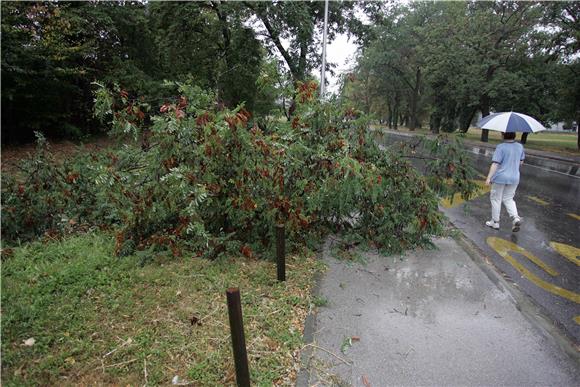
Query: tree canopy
x,y
440,63
54,51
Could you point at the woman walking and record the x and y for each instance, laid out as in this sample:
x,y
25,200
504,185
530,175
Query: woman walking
x,y
504,176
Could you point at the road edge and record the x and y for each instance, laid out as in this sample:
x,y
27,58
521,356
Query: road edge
x,y
530,309
552,156
306,353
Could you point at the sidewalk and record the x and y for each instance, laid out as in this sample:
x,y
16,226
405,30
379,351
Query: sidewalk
x,y
429,317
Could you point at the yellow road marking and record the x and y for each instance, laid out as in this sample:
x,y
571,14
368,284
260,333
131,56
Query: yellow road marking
x,y
457,199
569,252
538,200
503,248
577,217
577,319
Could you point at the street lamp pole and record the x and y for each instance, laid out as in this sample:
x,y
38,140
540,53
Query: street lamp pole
x,y
322,73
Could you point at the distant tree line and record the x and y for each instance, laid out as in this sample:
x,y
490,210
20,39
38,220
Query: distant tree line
x,y
439,63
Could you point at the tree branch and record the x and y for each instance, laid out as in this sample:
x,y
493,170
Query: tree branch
x,y
275,37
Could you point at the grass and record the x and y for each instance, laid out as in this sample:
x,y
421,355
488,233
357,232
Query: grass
x,y
320,301
98,319
558,142
565,143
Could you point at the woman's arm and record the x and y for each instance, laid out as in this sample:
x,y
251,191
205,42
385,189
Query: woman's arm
x,y
492,170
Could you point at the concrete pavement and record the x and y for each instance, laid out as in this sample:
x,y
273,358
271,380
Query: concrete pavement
x,y
429,317
542,259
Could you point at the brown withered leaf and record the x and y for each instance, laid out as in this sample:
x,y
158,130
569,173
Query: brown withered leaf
x,y
365,381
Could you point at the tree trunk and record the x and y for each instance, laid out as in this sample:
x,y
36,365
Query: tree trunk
x,y
484,135
578,130
395,116
434,123
484,104
465,119
404,119
524,138
413,119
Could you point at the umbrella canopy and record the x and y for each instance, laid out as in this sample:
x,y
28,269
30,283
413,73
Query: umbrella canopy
x,y
510,122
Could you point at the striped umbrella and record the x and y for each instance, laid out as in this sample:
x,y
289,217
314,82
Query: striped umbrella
x,y
510,122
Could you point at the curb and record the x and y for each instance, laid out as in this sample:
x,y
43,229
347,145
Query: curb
x,y
530,309
306,353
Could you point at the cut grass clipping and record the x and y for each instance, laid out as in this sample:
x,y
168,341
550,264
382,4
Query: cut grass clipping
x,y
73,313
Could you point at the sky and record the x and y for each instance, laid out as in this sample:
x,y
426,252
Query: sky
x,y
341,52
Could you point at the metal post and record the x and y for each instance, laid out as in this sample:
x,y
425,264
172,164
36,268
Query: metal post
x,y
322,78
238,339
281,251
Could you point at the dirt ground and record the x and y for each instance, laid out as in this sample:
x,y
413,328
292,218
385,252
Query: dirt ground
x,y
11,154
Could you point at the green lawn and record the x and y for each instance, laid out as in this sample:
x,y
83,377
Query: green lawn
x,y
72,313
564,143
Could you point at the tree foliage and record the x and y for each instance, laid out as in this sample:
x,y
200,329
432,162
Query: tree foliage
x,y
443,62
53,51
210,180
298,22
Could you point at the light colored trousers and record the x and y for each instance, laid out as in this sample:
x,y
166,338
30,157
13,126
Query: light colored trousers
x,y
503,193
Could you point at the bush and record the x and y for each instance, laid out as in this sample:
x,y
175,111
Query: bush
x,y
209,179
50,198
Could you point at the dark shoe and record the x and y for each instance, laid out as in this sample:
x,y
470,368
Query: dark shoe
x,y
517,222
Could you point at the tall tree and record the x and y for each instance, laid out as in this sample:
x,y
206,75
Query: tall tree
x,y
292,28
394,56
48,52
53,51
562,22
51,54
459,57
209,42
496,34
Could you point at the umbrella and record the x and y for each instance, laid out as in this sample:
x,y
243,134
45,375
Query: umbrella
x,y
510,122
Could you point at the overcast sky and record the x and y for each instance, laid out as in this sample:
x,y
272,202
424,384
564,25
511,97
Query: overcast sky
x,y
340,52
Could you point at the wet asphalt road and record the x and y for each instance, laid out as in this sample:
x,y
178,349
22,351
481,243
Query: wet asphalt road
x,y
542,258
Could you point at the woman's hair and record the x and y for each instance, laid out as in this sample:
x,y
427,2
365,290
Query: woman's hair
x,y
509,135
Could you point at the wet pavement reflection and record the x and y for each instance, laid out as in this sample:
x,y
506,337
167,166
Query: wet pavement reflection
x,y
548,200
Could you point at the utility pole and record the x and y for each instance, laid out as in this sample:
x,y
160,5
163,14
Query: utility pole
x,y
322,78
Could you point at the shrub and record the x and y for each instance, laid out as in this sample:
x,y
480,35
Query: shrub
x,y
208,178
51,198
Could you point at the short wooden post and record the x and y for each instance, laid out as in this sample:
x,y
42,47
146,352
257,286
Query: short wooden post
x,y
281,251
238,339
